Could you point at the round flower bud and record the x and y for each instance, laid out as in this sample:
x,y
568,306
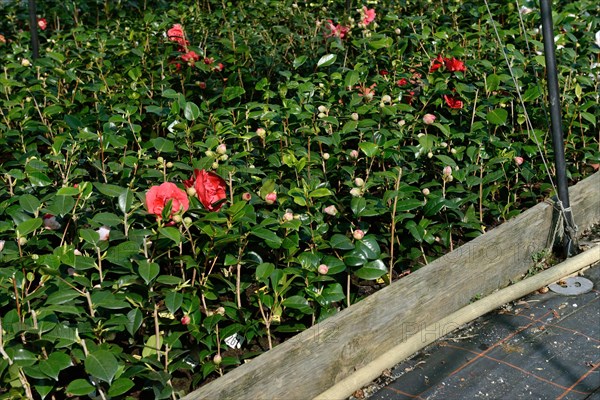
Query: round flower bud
x,y
358,234
322,109
209,153
187,221
25,62
429,155
215,165
261,133
322,115
220,311
185,320
288,216
453,151
330,210
271,198
401,123
325,156
397,31
169,164
246,196
191,191
355,192
22,241
447,170
359,182
518,160
177,218
221,149
386,99
354,154
425,192
160,160
323,269
428,119
218,359
354,116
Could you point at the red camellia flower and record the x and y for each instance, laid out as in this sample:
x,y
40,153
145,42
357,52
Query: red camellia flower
x,y
452,64
402,82
42,23
158,197
436,63
336,30
190,57
453,102
210,188
176,34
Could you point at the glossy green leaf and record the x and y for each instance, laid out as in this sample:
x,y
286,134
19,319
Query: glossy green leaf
x,y
101,364
326,60
372,270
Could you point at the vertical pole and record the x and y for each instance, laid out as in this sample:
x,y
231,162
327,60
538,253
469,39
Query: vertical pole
x,y
556,126
35,43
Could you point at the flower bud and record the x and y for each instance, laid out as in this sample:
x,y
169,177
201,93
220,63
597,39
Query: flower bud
x,y
322,109
453,151
323,269
355,192
221,149
271,198
397,31
215,165
22,241
209,153
169,164
187,221
77,252
177,218
330,210
447,170
354,154
386,99
160,160
322,115
358,234
354,116
359,182
425,192
401,123
185,320
104,232
325,156
220,311
25,62
191,191
261,133
429,119
218,359
429,155
518,160
2,244
288,216
246,196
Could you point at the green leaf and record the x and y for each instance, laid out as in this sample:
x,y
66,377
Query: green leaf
x,y
173,301
125,200
191,111
151,347
80,387
358,205
26,227
297,303
29,203
351,79
67,191
148,271
120,386
497,116
532,93
108,189
267,235
368,245
264,270
370,149
62,205
101,364
233,92
321,192
107,219
341,242
372,270
134,321
355,258
299,61
56,362
171,233
326,60
408,204
90,236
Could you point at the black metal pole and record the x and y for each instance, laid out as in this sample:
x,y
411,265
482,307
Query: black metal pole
x,y
556,126
35,43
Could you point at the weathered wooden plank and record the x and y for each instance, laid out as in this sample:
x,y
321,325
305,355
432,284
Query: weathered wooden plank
x,y
315,359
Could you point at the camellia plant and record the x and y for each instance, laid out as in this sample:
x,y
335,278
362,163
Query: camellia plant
x,y
187,185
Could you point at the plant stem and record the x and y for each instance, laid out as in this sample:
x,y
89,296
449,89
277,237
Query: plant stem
x,y
393,227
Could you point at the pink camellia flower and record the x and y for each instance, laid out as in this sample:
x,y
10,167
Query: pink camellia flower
x,y
368,15
104,232
50,222
185,320
358,234
452,64
271,198
519,160
330,210
176,34
210,189
338,30
453,102
158,197
323,269
367,91
288,216
429,119
190,57
42,23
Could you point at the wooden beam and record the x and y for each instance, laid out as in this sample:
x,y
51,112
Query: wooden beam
x,y
312,361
